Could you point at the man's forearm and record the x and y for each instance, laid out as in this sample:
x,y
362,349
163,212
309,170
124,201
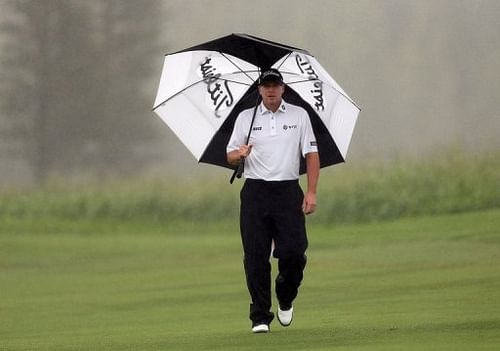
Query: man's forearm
x,y
312,166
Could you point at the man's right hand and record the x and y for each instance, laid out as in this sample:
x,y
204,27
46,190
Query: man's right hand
x,y
234,157
244,150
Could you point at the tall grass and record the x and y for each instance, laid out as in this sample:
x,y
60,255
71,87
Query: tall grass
x,y
449,182
446,183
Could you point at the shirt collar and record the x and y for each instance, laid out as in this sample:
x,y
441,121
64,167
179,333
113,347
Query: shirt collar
x,y
282,108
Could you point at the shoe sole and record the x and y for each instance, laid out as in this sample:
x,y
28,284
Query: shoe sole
x,y
261,331
284,325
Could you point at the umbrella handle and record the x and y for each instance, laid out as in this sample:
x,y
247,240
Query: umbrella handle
x,y
241,168
239,171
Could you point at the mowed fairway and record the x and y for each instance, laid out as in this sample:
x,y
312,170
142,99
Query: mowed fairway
x,y
430,283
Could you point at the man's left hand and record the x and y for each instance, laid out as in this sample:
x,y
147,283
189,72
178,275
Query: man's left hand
x,y
309,204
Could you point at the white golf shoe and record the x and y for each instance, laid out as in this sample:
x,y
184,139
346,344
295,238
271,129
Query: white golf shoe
x,y
285,316
260,328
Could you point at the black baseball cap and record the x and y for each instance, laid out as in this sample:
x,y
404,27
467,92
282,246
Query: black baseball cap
x,y
271,75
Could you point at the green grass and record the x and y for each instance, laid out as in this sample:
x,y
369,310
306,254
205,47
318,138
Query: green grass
x,y
428,283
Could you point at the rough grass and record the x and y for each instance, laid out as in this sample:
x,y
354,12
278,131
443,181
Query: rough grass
x,y
449,182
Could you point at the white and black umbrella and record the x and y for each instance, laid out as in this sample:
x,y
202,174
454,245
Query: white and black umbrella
x,y
204,88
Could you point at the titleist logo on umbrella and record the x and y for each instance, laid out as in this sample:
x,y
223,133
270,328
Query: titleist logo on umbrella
x,y
220,93
306,67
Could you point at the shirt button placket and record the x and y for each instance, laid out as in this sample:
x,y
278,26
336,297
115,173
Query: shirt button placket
x,y
272,124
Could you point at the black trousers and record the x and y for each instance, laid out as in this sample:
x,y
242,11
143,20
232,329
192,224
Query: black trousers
x,y
272,211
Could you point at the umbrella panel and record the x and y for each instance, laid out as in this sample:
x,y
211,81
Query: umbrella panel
x,y
195,120
217,70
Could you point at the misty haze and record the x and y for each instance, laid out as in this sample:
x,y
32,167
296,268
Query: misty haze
x,y
78,79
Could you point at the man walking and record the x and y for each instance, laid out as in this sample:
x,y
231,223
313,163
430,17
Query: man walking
x,y
272,202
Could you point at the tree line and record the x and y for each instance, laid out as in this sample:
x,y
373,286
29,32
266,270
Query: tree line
x,y
74,78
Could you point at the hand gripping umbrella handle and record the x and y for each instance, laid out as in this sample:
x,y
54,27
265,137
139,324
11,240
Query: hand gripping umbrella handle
x,y
241,166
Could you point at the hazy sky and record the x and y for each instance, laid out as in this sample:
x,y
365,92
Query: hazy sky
x,y
426,73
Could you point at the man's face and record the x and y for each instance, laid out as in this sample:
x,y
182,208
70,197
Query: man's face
x,y
271,93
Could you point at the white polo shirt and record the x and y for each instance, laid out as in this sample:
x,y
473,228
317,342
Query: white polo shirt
x,y
278,140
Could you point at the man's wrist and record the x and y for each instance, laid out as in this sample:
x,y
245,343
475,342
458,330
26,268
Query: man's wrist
x,y
233,158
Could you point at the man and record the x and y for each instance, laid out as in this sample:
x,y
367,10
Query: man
x,y
272,202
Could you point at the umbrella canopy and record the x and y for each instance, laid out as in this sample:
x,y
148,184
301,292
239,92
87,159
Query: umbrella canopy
x,y
204,88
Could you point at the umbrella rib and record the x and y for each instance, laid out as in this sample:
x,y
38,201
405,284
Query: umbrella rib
x,y
235,65
284,58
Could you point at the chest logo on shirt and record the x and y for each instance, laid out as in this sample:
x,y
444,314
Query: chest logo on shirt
x,y
256,128
286,126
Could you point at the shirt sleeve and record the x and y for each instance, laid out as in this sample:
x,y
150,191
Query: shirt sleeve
x,y
308,139
237,137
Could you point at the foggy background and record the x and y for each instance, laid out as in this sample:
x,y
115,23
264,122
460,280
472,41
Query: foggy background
x,y
78,78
